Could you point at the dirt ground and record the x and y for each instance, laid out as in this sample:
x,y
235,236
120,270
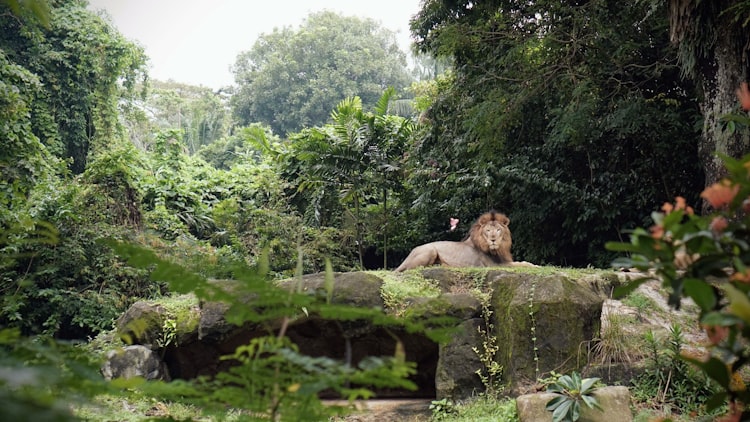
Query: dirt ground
x,y
390,410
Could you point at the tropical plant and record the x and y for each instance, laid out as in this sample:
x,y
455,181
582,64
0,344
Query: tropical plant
x,y
669,383
358,155
570,391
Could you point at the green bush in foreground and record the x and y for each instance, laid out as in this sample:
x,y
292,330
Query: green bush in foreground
x,y
706,258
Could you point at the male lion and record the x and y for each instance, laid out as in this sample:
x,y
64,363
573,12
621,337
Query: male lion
x,y
488,245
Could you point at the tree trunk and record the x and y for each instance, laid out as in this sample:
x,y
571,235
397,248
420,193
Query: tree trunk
x,y
721,74
713,47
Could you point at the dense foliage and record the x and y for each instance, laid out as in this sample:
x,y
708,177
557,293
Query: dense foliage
x,y
555,113
85,68
199,113
572,117
292,79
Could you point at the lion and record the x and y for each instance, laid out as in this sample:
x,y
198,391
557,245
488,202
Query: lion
x,y
488,245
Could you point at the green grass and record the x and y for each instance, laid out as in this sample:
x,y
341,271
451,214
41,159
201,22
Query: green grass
x,y
643,304
139,408
484,409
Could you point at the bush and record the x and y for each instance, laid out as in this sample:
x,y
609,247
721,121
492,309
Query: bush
x,y
706,258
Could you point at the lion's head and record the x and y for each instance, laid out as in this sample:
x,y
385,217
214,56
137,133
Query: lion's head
x,y
491,235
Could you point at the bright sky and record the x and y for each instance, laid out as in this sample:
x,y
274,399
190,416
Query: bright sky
x,y
196,42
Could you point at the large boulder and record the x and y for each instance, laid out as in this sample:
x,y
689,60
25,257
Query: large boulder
x,y
456,374
172,320
134,361
540,323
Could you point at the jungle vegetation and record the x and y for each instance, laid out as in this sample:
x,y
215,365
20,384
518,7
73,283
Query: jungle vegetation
x,y
577,119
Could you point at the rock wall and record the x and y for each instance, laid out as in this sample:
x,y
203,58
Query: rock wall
x,y
539,321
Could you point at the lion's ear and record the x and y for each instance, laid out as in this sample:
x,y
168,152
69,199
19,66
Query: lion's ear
x,y
502,219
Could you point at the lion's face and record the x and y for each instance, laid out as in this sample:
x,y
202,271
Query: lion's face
x,y
493,234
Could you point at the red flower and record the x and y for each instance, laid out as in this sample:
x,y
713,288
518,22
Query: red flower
x,y
718,224
720,193
679,204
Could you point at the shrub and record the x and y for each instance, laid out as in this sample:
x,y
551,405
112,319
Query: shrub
x,y
706,258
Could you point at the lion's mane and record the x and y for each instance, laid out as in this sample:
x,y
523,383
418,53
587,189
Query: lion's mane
x,y
488,244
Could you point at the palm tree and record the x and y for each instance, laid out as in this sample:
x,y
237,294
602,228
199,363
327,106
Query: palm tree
x,y
356,155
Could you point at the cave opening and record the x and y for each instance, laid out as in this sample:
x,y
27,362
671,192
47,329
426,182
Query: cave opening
x,y
318,338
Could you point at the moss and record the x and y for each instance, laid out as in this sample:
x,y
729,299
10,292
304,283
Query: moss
x,y
397,288
184,310
541,321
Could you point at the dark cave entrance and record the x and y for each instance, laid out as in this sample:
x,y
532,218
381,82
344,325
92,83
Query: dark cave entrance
x,y
317,337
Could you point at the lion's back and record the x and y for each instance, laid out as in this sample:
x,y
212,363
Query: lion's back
x,y
459,254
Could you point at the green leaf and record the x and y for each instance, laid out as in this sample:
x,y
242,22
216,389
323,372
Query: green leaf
x,y
721,319
624,290
701,293
714,368
587,383
739,304
591,402
716,401
561,412
555,402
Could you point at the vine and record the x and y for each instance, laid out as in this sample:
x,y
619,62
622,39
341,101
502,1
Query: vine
x,y
533,326
492,372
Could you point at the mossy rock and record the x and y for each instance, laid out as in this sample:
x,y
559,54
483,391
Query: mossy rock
x,y
360,289
158,323
461,306
540,323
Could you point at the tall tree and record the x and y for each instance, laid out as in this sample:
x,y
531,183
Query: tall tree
x,y
85,68
291,79
713,39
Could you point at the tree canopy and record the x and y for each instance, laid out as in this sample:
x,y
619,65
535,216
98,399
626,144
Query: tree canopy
x,y
292,79
559,114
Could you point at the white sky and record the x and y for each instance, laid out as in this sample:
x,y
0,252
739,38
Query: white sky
x,y
196,42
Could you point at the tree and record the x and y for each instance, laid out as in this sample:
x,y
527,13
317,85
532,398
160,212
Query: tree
x,y
85,68
554,112
291,79
713,37
356,158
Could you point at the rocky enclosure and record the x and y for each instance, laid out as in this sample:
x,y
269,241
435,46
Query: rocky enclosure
x,y
537,319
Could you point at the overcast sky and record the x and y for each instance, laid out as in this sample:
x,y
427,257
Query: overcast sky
x,y
196,42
